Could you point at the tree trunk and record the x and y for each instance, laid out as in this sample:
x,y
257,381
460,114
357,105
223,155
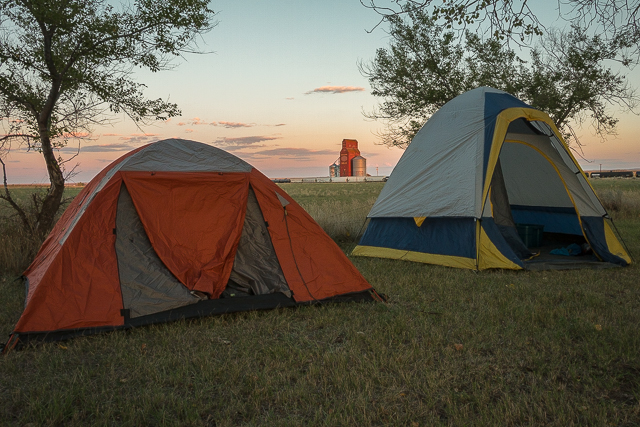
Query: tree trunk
x,y
52,200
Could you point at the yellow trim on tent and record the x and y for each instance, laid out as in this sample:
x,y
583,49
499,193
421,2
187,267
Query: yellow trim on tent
x,y
489,256
489,200
614,244
446,260
575,162
419,220
500,132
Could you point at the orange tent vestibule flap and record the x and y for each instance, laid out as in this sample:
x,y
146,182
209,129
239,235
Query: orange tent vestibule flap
x,y
194,222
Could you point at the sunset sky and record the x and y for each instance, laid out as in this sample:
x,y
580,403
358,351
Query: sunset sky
x,y
281,89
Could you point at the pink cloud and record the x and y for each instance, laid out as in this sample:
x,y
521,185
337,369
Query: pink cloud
x,y
139,137
246,140
181,124
188,130
231,125
110,134
197,121
335,89
100,148
301,154
75,135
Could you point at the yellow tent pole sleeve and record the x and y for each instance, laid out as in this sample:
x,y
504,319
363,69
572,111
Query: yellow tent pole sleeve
x,y
500,132
614,244
489,256
478,227
446,260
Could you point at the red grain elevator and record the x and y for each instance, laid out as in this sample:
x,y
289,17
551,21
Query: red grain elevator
x,y
348,152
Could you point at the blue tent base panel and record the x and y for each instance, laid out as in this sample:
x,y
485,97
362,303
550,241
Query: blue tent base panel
x,y
439,236
451,242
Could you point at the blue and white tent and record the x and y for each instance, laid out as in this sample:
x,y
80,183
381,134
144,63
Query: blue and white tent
x,y
483,164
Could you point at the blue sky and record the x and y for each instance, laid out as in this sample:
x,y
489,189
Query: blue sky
x,y
280,88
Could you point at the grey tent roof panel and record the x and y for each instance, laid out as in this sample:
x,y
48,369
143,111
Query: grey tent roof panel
x,y
175,155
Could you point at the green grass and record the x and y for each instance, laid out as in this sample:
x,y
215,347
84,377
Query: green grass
x,y
451,347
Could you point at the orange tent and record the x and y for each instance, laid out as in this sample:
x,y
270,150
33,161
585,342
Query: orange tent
x,y
173,230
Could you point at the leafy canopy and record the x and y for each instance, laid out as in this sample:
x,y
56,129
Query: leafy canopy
x,y
69,61
66,65
518,20
568,75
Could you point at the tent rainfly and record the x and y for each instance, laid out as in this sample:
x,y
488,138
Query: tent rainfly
x,y
488,182
178,229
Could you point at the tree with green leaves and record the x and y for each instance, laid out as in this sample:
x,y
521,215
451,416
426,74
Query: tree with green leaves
x,y
66,65
425,66
518,20
579,79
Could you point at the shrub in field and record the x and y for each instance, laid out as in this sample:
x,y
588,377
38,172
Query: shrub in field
x,y
18,244
17,247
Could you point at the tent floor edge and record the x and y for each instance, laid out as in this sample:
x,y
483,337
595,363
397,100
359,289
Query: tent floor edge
x,y
200,309
215,307
368,295
26,338
570,264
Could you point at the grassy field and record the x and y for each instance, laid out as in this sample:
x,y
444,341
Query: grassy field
x,y
451,347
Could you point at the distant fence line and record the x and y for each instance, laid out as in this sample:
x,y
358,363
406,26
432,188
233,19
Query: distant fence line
x,y
325,179
343,179
614,174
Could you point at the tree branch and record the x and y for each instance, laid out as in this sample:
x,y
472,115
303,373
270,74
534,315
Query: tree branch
x,y
6,196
